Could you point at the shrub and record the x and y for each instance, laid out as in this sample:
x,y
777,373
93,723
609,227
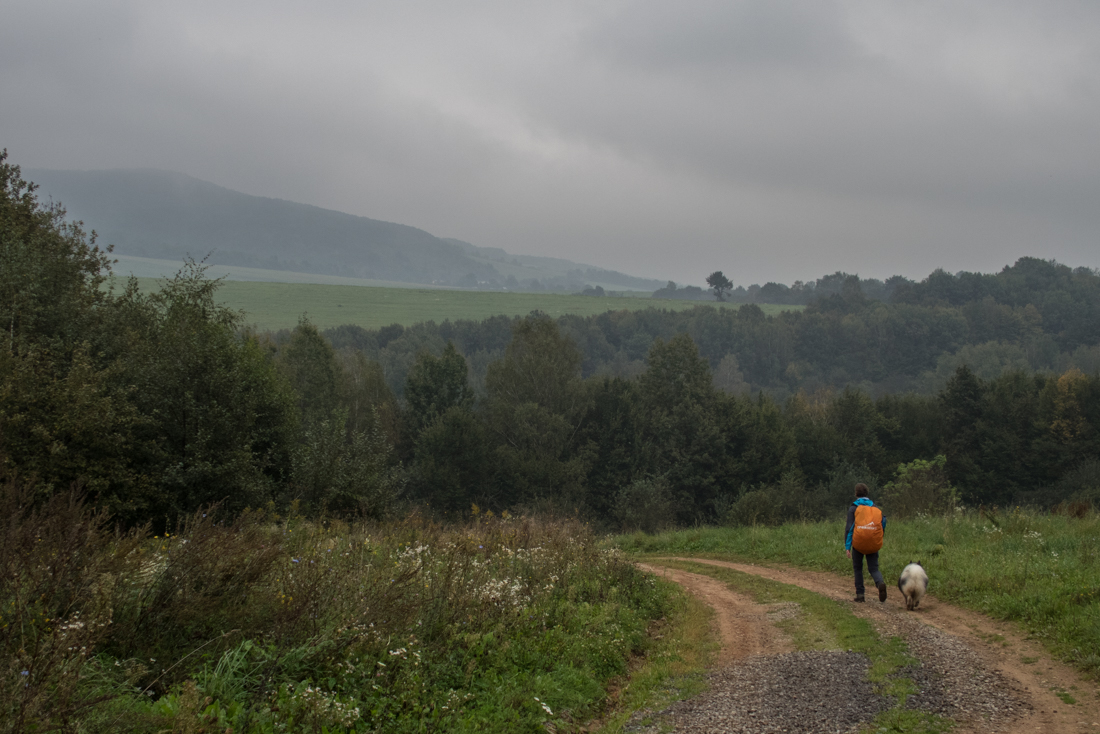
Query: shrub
x,y
59,571
346,473
189,589
921,487
1081,484
788,500
646,505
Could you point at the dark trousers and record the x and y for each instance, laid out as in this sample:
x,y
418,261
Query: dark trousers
x,y
872,568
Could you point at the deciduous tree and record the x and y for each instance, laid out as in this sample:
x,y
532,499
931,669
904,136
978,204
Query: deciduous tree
x,y
534,408
720,284
435,385
310,366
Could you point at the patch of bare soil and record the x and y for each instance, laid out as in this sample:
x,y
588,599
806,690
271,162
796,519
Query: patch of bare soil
x,y
985,674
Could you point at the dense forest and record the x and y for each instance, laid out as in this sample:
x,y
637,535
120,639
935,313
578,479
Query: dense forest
x,y
1034,315
979,389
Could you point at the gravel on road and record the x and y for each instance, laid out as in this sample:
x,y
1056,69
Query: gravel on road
x,y
811,692
827,691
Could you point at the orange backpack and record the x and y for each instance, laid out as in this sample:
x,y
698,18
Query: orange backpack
x,y
867,533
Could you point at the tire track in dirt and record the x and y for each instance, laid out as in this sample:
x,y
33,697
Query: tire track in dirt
x,y
1004,651
742,625
759,684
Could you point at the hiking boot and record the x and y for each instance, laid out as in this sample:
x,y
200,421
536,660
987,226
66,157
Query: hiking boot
x,y
859,598
882,592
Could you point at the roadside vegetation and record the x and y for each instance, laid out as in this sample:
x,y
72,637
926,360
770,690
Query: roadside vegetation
x,y
265,623
682,646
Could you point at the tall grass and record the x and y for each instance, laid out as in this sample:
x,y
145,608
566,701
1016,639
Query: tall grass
x,y
1040,570
264,624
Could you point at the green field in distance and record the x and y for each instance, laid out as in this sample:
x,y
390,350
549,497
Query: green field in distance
x,y
280,305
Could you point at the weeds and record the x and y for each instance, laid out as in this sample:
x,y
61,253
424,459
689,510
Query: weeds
x,y
59,572
908,721
262,624
673,669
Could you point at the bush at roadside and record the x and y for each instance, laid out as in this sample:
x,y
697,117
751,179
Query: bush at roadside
x,y
267,623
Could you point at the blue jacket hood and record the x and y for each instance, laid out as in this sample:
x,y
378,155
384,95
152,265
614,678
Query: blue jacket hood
x,y
864,501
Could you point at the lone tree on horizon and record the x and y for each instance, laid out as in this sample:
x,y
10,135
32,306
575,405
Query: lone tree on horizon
x,y
720,284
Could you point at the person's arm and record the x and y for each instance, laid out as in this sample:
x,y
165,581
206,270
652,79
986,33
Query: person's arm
x,y
848,530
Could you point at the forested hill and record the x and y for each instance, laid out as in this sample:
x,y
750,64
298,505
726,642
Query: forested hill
x,y
159,403
1033,315
161,214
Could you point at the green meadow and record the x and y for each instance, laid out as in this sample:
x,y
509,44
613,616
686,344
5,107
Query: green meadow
x,y
281,305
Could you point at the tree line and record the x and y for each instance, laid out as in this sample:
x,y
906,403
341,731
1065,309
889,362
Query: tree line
x,y
158,404
1034,315
669,445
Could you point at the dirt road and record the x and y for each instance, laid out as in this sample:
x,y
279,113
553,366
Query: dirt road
x,y
983,673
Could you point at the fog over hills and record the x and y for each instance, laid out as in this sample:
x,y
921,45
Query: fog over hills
x,y
163,214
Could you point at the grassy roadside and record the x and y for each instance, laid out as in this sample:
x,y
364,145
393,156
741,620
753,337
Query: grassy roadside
x,y
1040,571
675,666
823,624
264,624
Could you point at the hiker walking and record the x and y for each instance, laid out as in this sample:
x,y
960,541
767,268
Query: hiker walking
x,y
863,539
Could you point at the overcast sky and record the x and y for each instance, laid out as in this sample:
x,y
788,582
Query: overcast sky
x,y
770,139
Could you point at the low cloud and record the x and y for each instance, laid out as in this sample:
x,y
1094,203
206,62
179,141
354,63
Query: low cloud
x,y
772,139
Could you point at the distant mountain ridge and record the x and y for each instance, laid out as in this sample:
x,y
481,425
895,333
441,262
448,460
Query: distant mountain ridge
x,y
164,214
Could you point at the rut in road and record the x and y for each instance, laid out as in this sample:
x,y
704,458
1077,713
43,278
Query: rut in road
x,y
982,673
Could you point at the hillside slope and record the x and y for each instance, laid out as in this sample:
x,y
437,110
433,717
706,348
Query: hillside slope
x,y
162,214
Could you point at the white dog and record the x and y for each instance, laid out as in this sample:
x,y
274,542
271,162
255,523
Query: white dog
x,y
913,583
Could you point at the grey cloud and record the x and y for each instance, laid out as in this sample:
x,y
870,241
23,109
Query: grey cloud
x,y
719,34
866,129
774,139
